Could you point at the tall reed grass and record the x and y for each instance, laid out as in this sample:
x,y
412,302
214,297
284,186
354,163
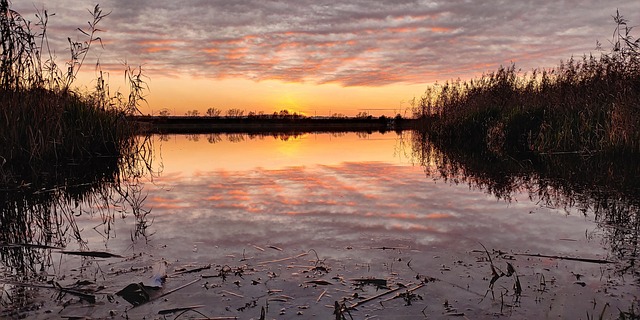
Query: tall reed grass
x,y
582,105
43,120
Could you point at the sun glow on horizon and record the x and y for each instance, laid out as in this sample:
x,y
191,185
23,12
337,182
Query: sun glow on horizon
x,y
179,95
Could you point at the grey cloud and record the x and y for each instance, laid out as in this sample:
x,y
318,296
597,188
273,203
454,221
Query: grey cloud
x,y
346,42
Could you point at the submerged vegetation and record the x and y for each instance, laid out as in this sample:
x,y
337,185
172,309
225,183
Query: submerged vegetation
x,y
44,122
583,105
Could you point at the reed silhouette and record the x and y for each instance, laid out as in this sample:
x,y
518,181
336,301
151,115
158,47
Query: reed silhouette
x,y
583,105
44,119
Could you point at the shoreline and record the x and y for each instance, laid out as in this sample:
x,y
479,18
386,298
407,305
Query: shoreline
x,y
190,124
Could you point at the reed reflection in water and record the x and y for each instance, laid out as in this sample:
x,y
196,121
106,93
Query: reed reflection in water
x,y
342,195
603,187
43,217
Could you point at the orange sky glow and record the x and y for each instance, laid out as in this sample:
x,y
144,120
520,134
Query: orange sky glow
x,y
319,57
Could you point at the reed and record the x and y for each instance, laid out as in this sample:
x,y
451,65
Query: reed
x,y
582,105
43,120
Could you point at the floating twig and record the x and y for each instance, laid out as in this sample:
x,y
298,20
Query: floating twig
x,y
319,282
190,270
321,295
599,261
233,294
178,288
380,283
179,309
95,254
373,298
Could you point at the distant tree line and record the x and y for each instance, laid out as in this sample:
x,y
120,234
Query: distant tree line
x,y
282,114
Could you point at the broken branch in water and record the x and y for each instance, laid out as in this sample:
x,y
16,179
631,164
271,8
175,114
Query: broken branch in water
x,y
599,261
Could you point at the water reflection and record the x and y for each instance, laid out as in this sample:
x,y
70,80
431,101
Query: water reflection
x,y
40,216
344,195
600,185
186,154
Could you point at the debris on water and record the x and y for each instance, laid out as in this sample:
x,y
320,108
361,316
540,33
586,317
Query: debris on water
x,y
137,293
159,275
179,309
94,254
319,282
321,295
378,283
232,293
192,270
588,260
284,259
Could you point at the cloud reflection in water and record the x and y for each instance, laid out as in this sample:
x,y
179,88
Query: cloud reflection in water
x,y
363,204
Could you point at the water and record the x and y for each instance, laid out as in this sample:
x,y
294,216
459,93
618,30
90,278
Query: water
x,y
288,223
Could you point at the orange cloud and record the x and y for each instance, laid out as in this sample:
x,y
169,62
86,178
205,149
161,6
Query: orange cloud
x,y
440,29
157,49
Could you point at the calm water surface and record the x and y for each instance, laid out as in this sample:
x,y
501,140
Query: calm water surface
x,y
339,191
358,205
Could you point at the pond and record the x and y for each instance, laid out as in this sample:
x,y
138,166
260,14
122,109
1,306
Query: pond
x,y
318,225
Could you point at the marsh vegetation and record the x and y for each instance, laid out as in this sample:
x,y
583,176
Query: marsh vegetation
x,y
64,153
45,121
584,105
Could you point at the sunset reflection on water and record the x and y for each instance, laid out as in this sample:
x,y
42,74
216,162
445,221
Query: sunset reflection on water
x,y
359,204
189,154
337,190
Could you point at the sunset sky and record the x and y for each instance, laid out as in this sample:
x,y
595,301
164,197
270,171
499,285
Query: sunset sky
x,y
323,57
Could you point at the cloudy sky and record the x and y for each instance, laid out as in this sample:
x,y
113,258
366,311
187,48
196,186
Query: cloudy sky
x,y
319,56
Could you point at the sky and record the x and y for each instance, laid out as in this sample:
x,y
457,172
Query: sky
x,y
321,57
